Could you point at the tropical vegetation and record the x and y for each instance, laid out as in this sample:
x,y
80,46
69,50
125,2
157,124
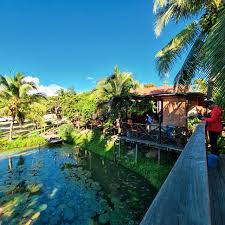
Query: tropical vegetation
x,y
202,41
16,96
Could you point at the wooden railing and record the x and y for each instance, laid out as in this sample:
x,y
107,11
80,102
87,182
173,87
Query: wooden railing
x,y
184,197
161,134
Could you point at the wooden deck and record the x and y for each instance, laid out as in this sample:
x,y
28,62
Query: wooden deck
x,y
166,147
217,192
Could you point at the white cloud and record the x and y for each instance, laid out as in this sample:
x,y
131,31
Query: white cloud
x,y
90,78
49,90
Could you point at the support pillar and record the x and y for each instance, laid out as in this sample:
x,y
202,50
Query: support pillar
x,y
136,152
159,152
119,148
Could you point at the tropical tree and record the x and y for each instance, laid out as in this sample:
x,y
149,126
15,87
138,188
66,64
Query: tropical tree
x,y
36,113
115,90
16,95
203,40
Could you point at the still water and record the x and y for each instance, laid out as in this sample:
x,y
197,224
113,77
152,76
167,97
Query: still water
x,y
62,185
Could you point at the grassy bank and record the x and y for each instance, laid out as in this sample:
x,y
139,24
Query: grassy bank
x,y
95,142
22,143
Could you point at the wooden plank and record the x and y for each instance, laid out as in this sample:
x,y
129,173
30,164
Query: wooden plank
x,y
184,197
217,193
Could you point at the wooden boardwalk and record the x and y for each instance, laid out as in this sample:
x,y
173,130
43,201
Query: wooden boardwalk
x,y
184,197
217,192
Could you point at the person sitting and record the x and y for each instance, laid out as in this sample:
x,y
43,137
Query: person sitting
x,y
148,121
214,125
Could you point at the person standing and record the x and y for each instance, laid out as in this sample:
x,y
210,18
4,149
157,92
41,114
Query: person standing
x,y
148,122
214,125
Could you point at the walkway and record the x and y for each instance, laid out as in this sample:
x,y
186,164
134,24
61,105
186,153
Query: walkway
x,y
184,197
217,192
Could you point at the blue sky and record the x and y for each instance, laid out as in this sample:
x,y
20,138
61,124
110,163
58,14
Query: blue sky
x,y
74,43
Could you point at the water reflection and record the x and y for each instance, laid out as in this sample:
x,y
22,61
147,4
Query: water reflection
x,y
69,186
10,164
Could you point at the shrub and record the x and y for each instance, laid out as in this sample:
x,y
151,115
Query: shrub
x,y
65,132
22,142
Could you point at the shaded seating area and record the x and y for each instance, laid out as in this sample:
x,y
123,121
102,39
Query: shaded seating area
x,y
158,133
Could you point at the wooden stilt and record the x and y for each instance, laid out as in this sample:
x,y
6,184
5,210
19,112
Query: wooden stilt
x,y
159,156
136,152
119,148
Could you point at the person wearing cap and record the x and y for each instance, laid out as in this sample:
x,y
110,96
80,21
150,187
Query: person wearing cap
x,y
214,125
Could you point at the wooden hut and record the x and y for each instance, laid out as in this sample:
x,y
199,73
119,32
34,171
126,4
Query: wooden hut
x,y
173,107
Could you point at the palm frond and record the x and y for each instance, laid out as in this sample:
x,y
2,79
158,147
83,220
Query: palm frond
x,y
213,49
159,4
166,57
24,89
192,64
3,82
176,10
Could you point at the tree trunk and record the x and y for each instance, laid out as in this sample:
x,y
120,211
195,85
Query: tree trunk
x,y
11,128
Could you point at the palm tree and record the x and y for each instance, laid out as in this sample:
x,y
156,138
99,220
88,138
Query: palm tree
x,y
16,95
203,39
115,89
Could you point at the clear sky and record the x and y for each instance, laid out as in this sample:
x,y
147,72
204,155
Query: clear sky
x,y
77,42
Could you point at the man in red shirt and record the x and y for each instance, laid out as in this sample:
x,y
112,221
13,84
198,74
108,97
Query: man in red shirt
x,y
214,125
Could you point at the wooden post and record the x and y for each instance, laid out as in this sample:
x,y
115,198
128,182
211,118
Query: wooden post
x,y
119,148
186,115
136,152
159,156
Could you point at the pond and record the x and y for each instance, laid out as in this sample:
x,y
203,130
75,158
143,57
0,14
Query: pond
x,y
63,185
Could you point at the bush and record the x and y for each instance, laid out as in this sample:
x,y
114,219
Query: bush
x,y
65,132
22,142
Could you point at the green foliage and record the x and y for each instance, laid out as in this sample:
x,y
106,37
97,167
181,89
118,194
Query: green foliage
x,y
16,97
37,112
86,105
200,85
72,105
221,144
203,39
65,132
140,108
94,141
22,142
192,123
115,93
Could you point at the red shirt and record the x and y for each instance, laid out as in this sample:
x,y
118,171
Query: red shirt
x,y
215,121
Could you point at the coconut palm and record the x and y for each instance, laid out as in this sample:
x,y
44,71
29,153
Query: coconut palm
x,y
115,90
203,40
16,95
118,84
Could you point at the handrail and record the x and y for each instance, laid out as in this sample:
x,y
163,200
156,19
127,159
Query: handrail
x,y
184,197
157,133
